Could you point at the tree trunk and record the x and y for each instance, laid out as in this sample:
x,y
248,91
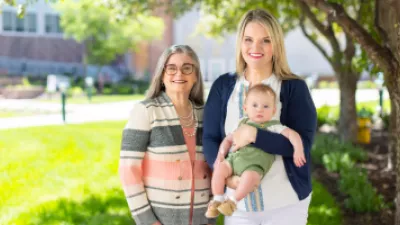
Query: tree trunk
x,y
394,134
348,112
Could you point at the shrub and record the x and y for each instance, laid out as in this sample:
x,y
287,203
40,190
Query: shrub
x,y
366,84
326,115
107,90
386,119
365,112
335,161
353,182
123,89
362,195
323,84
327,144
74,91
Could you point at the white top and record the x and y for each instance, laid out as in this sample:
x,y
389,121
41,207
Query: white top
x,y
275,190
278,128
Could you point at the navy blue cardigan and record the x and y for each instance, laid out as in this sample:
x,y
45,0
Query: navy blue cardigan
x,y
298,112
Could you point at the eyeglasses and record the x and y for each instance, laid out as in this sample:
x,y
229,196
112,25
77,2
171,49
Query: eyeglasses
x,y
172,69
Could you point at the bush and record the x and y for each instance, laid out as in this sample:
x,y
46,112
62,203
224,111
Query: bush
x,y
365,112
107,90
142,87
362,195
366,84
353,182
328,144
386,119
74,91
335,161
123,89
323,84
326,115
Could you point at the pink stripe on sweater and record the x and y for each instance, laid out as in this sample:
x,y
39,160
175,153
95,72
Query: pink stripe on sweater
x,y
131,175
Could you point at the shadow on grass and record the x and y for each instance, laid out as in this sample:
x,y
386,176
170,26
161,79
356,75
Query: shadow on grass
x,y
94,210
112,209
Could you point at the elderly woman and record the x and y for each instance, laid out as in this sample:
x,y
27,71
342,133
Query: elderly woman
x,y
162,167
284,194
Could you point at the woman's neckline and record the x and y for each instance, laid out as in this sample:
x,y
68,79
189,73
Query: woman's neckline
x,y
246,82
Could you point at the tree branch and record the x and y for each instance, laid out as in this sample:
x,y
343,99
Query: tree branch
x,y
327,31
350,50
315,43
378,54
380,30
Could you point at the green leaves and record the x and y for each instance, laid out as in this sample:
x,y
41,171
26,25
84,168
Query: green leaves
x,y
219,17
104,35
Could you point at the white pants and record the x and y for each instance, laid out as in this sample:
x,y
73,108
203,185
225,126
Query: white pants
x,y
295,214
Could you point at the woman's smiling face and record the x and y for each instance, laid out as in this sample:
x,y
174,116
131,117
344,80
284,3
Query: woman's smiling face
x,y
179,73
256,46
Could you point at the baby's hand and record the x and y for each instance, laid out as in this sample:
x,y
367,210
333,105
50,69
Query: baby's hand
x,y
298,158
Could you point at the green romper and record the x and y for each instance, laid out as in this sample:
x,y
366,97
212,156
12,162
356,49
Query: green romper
x,y
249,157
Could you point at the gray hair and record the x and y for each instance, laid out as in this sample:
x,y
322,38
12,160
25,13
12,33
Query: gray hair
x,y
156,87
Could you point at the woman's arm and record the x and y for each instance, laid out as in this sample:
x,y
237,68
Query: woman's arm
x,y
301,117
135,139
212,136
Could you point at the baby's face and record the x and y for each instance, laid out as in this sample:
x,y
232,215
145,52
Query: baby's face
x,y
260,107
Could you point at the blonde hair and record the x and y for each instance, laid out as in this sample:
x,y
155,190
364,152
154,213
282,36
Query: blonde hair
x,y
280,65
261,88
156,86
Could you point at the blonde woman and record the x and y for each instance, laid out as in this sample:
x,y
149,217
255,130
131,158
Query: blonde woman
x,y
284,195
162,168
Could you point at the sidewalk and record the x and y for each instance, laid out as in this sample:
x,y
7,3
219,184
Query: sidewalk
x,y
82,113
76,114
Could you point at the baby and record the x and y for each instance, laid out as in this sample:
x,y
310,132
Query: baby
x,y
250,163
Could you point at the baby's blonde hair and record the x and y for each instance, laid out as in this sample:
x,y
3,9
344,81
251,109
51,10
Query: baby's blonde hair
x,y
262,88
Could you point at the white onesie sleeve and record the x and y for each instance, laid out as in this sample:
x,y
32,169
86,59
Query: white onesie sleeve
x,y
276,128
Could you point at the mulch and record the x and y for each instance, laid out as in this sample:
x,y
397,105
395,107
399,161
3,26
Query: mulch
x,y
382,180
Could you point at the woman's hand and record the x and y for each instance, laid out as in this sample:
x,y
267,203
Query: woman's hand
x,y
157,223
243,136
232,182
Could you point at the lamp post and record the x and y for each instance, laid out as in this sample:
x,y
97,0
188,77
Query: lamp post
x,y
379,83
63,87
89,85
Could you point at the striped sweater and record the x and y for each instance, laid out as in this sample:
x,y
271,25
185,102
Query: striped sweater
x,y
155,167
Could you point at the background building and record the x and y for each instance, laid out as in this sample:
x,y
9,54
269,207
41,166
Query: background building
x,y
34,45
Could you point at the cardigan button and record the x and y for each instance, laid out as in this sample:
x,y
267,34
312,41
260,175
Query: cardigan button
x,y
178,197
202,194
178,160
180,178
205,176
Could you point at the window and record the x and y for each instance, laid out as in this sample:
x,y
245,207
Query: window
x,y
31,22
53,24
20,24
11,22
8,21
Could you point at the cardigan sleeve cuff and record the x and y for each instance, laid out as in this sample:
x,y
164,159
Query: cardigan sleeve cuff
x,y
145,218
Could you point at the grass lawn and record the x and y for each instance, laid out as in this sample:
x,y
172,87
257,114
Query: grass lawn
x,y
68,175
97,99
6,114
